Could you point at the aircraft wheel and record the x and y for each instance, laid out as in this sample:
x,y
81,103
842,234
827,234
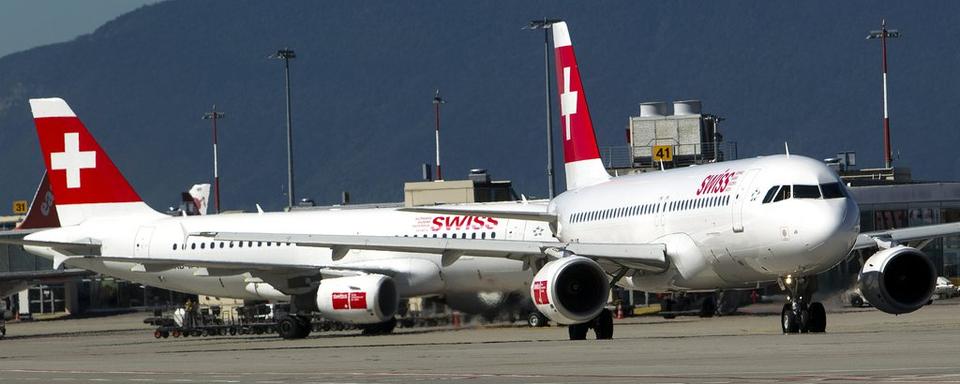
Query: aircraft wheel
x,y
604,325
157,334
578,331
290,328
708,308
817,322
788,320
668,305
536,320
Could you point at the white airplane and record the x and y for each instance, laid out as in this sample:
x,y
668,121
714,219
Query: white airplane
x,y
711,227
106,227
719,226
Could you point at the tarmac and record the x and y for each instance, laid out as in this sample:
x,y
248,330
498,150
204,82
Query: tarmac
x,y
860,346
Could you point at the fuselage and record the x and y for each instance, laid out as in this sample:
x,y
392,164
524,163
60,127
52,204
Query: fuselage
x,y
726,225
416,274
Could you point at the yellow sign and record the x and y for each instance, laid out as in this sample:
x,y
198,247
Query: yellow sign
x,y
663,152
20,207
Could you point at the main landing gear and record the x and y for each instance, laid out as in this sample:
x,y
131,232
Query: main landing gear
x,y
799,314
294,327
602,326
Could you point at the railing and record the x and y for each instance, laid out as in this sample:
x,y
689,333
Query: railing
x,y
626,156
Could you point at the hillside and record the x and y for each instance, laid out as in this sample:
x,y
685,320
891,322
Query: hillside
x,y
366,71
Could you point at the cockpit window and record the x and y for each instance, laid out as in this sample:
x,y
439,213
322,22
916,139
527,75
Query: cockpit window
x,y
832,191
769,197
783,193
806,191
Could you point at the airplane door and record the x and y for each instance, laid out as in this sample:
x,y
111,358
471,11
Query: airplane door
x,y
741,195
141,247
661,212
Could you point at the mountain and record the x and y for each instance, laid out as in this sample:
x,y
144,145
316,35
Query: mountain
x,y
365,73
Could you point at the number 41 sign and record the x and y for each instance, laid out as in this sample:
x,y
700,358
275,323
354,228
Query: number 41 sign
x,y
663,152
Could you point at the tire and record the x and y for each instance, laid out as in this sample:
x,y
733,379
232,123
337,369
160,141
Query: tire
x,y
536,320
289,328
578,331
232,331
165,334
668,305
818,318
176,333
856,301
603,325
383,328
708,308
788,320
157,334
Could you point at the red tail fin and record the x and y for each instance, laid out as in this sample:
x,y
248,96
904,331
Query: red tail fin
x,y
43,212
81,174
580,152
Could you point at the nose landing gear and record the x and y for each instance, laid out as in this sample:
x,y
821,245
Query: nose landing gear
x,y
799,314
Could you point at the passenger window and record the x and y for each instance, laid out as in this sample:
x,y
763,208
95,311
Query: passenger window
x,y
493,235
444,235
483,235
193,246
203,245
473,235
221,245
806,192
174,247
783,193
832,191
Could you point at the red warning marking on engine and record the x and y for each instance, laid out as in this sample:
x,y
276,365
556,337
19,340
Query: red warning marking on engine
x,y
349,300
358,300
540,292
341,300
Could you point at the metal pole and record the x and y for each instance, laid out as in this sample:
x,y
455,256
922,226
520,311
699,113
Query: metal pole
x,y
286,54
290,190
216,166
214,115
546,24
551,181
437,100
883,34
887,156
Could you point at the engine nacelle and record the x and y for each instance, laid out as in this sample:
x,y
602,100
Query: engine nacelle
x,y
363,299
898,280
570,290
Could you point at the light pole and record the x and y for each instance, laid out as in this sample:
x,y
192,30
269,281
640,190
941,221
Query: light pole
x,y
545,24
286,54
437,100
214,116
883,34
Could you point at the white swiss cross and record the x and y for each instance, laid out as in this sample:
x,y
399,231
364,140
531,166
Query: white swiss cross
x,y
568,100
72,160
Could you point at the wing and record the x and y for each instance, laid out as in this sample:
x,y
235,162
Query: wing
x,y
648,257
917,237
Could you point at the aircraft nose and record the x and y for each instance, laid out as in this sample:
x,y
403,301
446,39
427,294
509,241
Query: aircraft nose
x,y
836,226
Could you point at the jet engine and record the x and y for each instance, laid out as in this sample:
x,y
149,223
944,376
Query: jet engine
x,y
365,299
570,290
898,280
